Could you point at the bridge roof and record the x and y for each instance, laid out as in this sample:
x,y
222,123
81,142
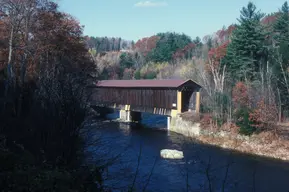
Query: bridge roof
x,y
166,83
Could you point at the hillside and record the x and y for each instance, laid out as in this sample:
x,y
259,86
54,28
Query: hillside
x,y
244,65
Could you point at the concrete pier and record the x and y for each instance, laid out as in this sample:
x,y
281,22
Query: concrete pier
x,y
130,116
169,118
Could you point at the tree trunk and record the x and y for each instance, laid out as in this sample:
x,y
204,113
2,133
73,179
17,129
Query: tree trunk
x,y
9,69
280,107
23,64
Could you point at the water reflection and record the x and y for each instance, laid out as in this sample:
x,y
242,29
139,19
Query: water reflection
x,y
124,128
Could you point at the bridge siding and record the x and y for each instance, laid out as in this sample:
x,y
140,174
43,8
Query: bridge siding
x,y
161,98
154,96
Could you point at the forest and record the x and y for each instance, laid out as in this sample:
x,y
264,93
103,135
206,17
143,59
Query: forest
x,y
105,44
46,64
243,68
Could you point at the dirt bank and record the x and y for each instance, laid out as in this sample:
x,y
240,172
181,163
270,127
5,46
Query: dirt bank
x,y
264,144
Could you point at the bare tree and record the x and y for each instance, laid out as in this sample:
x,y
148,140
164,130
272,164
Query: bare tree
x,y
20,22
218,74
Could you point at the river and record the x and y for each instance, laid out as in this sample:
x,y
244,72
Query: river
x,y
204,168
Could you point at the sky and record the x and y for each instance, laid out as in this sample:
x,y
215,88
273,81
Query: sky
x,y
135,19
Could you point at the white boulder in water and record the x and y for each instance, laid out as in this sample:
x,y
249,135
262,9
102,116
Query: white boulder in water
x,y
171,154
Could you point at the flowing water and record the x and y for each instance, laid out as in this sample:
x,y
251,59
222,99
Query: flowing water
x,y
204,168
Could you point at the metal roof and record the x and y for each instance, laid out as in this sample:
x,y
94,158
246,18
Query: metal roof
x,y
166,83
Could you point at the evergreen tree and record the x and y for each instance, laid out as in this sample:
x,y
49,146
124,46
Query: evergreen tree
x,y
197,41
281,26
112,44
126,61
281,54
210,43
132,45
167,45
281,33
119,44
247,45
103,45
107,44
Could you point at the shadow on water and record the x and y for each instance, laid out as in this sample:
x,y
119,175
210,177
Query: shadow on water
x,y
148,120
202,168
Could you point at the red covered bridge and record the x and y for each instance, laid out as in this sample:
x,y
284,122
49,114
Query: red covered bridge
x,y
165,97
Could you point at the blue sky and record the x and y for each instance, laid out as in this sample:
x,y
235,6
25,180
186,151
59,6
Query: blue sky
x,y
134,19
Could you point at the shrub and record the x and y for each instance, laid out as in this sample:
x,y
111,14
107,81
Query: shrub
x,y
231,127
242,120
137,74
220,107
219,121
264,116
240,95
241,101
208,122
126,60
128,74
150,75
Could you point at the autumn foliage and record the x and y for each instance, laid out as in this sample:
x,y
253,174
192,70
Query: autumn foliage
x,y
224,34
145,45
49,34
216,54
207,122
240,95
225,63
231,127
270,19
264,116
43,98
182,53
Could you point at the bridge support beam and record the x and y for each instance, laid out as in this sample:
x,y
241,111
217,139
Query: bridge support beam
x,y
123,115
128,117
179,102
198,102
169,118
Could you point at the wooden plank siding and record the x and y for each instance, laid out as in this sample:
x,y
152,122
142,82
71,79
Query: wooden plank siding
x,y
144,97
153,96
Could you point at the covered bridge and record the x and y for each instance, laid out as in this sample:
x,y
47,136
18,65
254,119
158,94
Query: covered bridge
x,y
165,97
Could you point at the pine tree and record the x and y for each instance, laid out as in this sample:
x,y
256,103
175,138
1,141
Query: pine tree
x,y
119,44
281,33
167,45
112,44
281,26
247,45
281,54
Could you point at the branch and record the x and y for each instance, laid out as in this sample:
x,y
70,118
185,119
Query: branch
x,y
137,168
150,175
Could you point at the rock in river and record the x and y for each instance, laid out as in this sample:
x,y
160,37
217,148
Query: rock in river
x,y
171,154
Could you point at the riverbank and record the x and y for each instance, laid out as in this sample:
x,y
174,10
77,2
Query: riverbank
x,y
264,144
